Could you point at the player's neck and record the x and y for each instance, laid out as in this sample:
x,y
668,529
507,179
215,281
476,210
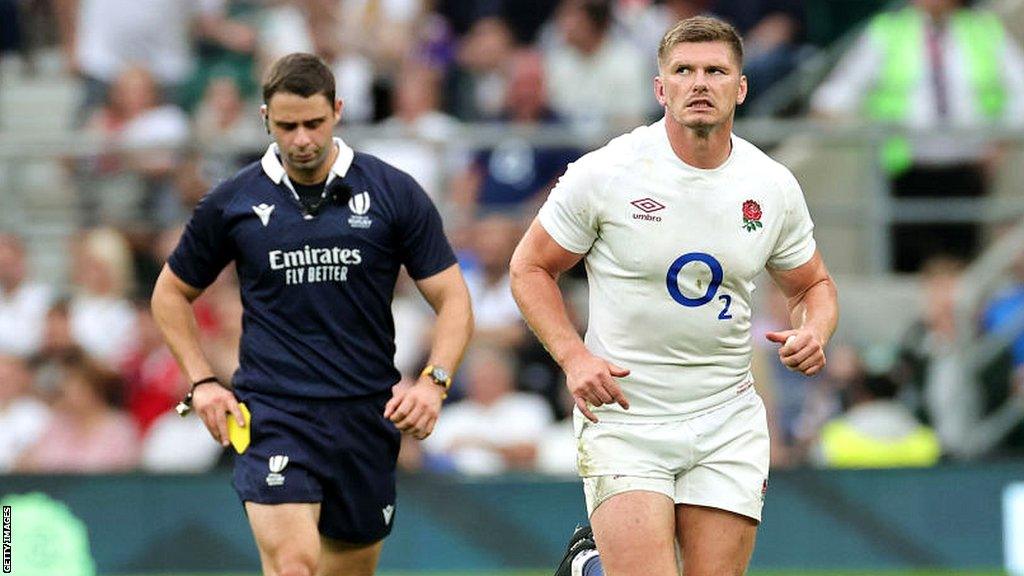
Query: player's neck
x,y
310,177
699,148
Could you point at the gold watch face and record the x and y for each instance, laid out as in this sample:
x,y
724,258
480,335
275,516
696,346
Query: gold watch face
x,y
440,375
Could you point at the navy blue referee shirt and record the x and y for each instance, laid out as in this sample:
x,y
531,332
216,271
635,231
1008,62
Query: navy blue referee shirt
x,y
317,290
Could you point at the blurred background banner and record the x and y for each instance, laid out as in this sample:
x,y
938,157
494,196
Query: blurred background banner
x,y
903,122
947,517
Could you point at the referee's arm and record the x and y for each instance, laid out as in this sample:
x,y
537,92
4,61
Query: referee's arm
x,y
172,310
414,409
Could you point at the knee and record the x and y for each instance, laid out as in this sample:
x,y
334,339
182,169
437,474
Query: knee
x,y
295,566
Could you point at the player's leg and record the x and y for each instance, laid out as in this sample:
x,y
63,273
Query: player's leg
x,y
635,534
714,542
720,498
287,537
339,558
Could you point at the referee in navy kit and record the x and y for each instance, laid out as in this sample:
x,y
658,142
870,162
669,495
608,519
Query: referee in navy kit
x,y
318,234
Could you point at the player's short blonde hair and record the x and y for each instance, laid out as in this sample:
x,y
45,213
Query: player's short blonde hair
x,y
701,29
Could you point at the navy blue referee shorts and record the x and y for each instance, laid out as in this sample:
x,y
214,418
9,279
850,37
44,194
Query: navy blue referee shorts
x,y
340,453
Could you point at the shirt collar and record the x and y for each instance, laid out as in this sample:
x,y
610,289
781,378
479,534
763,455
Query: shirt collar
x,y
271,162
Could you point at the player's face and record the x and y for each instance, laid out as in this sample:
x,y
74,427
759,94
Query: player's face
x,y
303,128
700,84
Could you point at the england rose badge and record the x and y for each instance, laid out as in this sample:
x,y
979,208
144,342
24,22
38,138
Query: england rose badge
x,y
751,215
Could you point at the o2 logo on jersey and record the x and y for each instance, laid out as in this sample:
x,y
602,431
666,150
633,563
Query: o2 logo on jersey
x,y
717,275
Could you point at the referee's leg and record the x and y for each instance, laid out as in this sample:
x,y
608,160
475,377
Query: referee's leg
x,y
339,558
287,537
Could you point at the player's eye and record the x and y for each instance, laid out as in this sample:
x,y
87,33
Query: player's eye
x,y
313,124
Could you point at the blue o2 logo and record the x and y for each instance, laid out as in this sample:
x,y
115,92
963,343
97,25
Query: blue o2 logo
x,y
672,282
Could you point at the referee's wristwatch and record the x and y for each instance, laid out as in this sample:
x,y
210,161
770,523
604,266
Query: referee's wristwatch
x,y
440,377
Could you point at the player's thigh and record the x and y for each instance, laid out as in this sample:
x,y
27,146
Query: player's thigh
x,y
286,534
714,542
635,534
339,558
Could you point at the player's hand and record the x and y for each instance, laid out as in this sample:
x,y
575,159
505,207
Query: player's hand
x,y
414,408
801,350
211,402
591,380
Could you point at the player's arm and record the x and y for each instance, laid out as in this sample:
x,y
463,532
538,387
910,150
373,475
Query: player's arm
x,y
536,264
813,311
415,409
171,305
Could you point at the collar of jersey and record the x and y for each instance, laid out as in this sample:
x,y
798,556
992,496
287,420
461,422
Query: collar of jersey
x,y
274,170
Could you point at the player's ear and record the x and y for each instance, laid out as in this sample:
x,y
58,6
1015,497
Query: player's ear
x,y
659,89
265,114
741,95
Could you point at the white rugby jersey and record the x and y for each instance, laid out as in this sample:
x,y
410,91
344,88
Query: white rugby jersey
x,y
671,255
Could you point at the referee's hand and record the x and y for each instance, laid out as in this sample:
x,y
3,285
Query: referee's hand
x,y
414,408
211,402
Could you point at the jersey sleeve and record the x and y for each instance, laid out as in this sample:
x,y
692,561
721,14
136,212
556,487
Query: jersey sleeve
x,y
204,248
795,245
424,249
569,215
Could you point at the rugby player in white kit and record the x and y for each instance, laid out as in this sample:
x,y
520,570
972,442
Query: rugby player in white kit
x,y
674,220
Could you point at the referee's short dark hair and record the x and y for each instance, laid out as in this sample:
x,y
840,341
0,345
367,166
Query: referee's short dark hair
x,y
301,74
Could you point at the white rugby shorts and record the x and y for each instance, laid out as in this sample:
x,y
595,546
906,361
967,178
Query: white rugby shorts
x,y
716,458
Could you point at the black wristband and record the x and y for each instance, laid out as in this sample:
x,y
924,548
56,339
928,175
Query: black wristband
x,y
207,380
185,406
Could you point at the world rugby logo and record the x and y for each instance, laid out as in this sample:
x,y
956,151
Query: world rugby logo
x,y
359,205
276,464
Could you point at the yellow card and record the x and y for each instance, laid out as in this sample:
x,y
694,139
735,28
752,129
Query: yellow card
x,y
239,435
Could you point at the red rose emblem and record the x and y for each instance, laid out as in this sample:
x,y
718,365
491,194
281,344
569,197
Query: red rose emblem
x,y
751,215
751,210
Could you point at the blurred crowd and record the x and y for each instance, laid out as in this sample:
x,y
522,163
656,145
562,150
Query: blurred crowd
x,y
86,384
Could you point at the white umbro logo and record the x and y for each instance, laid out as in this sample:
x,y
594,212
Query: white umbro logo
x,y
277,464
388,512
263,211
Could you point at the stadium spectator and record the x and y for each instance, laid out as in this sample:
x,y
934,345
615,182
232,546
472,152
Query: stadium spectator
x,y
87,434
419,137
220,122
938,65
594,76
515,174
772,32
23,304
797,408
494,428
498,322
102,38
153,382
477,86
102,320
23,416
876,430
127,185
178,445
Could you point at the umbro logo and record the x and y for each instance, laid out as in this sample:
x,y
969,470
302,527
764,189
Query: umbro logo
x,y
388,512
263,211
277,465
647,206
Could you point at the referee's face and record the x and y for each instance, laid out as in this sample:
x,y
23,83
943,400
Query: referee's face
x,y
700,84
303,128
